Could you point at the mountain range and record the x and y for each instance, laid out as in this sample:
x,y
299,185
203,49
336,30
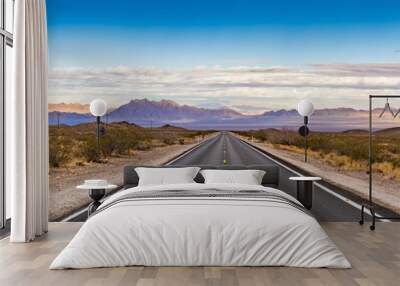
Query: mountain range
x,y
143,112
147,113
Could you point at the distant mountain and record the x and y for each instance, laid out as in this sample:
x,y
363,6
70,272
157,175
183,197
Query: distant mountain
x,y
168,127
356,131
164,111
69,118
342,111
389,131
69,107
280,112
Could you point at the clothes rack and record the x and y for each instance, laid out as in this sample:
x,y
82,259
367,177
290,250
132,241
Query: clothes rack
x,y
370,203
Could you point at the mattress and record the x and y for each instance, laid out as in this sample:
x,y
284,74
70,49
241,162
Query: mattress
x,y
201,225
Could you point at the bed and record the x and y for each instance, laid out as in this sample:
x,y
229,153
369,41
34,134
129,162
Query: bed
x,y
198,224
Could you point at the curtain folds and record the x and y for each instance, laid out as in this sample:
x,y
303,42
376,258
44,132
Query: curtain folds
x,y
28,121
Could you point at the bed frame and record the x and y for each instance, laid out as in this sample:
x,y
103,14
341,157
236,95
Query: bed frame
x,y
270,179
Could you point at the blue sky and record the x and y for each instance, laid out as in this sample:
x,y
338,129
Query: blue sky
x,y
220,13
216,35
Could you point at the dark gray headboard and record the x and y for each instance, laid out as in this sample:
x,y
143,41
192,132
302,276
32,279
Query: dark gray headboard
x,y
271,178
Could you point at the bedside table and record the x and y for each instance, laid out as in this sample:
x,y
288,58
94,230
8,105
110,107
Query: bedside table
x,y
304,190
96,193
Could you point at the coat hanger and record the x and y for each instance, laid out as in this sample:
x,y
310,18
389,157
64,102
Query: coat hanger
x,y
387,108
397,113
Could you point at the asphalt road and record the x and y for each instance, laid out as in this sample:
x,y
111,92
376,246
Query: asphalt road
x,y
329,202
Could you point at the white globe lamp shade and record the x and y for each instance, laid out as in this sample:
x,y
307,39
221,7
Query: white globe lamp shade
x,y
98,107
305,108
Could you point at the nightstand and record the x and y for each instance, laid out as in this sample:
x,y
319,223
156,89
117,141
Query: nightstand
x,y
96,193
304,191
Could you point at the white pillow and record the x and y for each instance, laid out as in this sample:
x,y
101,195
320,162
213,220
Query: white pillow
x,y
248,177
166,176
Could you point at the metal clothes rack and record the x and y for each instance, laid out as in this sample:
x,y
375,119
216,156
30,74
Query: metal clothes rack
x,y
370,204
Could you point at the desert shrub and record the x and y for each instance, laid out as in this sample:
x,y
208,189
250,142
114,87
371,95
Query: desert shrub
x,y
260,135
388,170
298,141
108,145
396,161
88,149
192,134
143,146
195,134
123,142
181,141
169,139
59,154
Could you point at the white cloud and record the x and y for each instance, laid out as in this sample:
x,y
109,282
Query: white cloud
x,y
247,88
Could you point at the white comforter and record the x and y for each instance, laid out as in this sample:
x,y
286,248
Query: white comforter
x,y
211,231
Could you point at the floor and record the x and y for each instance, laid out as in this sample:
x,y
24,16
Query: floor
x,y
375,257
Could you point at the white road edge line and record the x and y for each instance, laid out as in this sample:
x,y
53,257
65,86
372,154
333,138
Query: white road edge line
x,y
189,151
333,193
74,215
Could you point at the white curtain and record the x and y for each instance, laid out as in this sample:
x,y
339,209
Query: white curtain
x,y
28,123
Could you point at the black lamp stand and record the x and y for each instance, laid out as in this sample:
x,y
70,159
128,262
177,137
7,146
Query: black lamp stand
x,y
305,138
98,122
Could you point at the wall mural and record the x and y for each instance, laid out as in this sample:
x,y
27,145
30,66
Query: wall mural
x,y
174,72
